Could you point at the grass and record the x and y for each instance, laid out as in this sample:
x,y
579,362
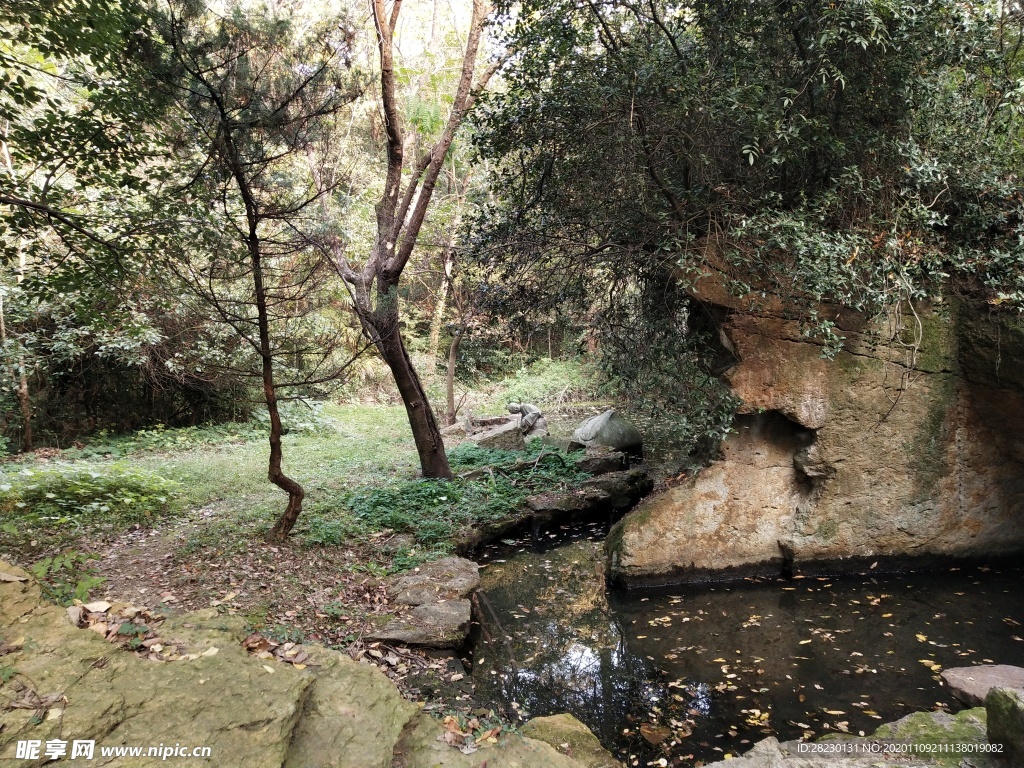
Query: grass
x,y
358,467
221,467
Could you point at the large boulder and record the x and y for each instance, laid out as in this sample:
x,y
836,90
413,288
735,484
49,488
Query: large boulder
x,y
893,449
972,684
610,430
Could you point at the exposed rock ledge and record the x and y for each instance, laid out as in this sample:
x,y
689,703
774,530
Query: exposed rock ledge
x,y
251,712
903,446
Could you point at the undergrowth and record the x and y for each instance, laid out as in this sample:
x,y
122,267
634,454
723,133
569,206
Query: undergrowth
x,y
64,496
66,577
434,512
160,438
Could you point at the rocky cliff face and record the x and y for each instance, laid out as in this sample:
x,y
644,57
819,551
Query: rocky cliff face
x,y
908,443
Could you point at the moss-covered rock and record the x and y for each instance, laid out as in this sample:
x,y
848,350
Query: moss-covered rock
x,y
571,737
252,712
1005,708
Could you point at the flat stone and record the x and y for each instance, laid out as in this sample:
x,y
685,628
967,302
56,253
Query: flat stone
x,y
505,437
448,579
972,684
555,502
600,460
1004,708
438,625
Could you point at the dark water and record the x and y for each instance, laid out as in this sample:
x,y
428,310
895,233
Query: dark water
x,y
713,669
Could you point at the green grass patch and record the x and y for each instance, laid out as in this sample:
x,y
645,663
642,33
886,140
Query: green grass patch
x,y
546,383
67,495
163,439
434,512
66,577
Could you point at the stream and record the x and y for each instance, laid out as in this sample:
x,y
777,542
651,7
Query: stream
x,y
692,673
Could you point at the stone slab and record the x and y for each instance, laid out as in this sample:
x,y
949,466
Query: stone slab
x,y
972,684
450,578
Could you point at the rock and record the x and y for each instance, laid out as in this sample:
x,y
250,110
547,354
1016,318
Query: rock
x,y
447,579
505,437
612,491
972,684
458,428
438,625
967,727
600,460
571,737
1005,710
706,524
619,490
554,504
421,747
610,430
336,713
834,462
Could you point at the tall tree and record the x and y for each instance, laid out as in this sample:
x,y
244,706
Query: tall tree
x,y
400,214
256,96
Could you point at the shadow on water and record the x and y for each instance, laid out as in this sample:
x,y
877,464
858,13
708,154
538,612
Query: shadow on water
x,y
692,673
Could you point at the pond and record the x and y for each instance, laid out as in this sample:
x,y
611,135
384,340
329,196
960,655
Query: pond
x,y
693,673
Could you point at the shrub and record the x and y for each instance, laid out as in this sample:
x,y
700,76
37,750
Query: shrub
x,y
69,494
434,511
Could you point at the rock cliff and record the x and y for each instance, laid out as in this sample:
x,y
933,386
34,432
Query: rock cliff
x,y
908,443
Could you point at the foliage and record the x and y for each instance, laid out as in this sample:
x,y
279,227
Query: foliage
x,y
436,511
796,153
299,416
161,438
66,495
66,577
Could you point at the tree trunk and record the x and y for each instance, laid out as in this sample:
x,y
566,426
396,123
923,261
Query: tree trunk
x,y
275,474
429,444
449,386
426,433
439,308
22,389
26,407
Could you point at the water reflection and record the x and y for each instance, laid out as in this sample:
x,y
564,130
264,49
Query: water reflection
x,y
696,672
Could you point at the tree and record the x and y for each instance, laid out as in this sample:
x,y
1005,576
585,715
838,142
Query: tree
x,y
256,96
809,151
400,214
